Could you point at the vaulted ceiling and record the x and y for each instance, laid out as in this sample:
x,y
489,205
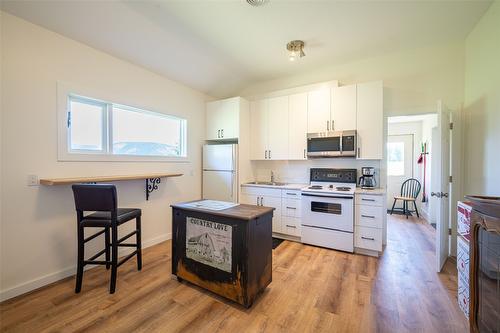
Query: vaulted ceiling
x,y
220,47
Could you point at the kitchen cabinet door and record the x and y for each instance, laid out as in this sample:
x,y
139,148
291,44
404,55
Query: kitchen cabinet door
x,y
223,119
344,108
369,120
213,116
249,199
259,129
276,203
278,128
229,118
297,127
318,110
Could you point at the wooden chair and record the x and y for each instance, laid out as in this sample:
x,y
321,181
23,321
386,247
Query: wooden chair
x,y
409,193
101,199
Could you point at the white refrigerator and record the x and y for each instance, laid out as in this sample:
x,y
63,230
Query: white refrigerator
x,y
220,175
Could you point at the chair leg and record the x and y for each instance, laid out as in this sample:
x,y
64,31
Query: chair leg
x,y
81,253
114,259
394,204
416,210
138,242
108,247
405,204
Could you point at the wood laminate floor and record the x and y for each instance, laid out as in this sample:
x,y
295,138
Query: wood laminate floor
x,y
313,290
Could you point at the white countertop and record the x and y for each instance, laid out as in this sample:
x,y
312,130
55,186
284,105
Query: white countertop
x,y
375,191
285,187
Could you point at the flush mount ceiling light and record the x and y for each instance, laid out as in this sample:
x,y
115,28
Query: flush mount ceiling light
x,y
257,3
295,49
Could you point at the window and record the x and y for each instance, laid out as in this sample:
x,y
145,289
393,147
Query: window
x,y
395,158
113,130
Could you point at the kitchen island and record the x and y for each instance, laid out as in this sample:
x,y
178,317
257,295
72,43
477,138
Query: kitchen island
x,y
227,251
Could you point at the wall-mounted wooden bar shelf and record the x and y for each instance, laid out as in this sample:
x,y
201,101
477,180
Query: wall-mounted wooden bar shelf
x,y
152,180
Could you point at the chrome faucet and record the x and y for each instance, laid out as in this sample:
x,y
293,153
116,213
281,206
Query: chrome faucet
x,y
272,176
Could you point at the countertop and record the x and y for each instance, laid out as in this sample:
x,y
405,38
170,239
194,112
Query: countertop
x,y
240,212
285,187
375,191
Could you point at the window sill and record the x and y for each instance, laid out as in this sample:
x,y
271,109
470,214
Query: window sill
x,y
82,157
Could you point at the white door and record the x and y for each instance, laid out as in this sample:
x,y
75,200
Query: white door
x,y
213,120
297,127
229,118
369,120
276,203
442,192
344,108
318,110
400,161
278,128
259,129
219,185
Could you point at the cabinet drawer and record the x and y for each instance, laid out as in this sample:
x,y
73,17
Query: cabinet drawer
x,y
369,216
290,207
261,191
291,194
371,200
368,238
290,226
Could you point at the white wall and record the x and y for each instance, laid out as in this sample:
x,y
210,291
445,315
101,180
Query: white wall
x,y
38,230
482,106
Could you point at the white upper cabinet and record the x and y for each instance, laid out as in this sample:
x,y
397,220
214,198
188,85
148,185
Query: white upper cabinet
x,y
278,128
343,108
259,129
223,119
318,110
369,120
297,127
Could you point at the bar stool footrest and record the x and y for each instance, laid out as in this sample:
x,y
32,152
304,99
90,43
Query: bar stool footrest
x,y
126,258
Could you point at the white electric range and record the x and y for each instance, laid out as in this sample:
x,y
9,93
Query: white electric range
x,y
328,209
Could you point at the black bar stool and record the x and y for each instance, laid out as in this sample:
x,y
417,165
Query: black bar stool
x,y
102,200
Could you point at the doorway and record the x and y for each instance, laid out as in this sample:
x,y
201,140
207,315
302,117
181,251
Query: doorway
x,y
418,146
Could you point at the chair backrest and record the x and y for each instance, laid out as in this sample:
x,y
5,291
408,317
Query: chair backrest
x,y
410,188
95,197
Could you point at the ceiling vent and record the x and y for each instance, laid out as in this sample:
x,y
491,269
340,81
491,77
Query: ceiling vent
x,y
257,3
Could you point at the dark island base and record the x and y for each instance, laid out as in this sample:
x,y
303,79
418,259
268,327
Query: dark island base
x,y
250,269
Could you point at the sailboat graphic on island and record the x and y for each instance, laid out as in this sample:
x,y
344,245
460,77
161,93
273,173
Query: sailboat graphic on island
x,y
209,244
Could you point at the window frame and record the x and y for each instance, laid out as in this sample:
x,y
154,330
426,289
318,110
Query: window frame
x,y
65,94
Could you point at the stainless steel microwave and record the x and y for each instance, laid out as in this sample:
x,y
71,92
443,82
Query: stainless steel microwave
x,y
332,144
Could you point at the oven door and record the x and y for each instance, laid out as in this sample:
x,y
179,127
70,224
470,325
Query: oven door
x,y
328,212
324,144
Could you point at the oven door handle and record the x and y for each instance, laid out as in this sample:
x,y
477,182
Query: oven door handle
x,y
327,196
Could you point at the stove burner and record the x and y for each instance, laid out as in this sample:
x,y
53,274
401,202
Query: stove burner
x,y
343,188
315,187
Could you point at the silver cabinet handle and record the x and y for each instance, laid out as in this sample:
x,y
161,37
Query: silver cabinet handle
x,y
332,127
304,153
327,125
368,216
222,133
257,201
288,193
359,152
368,199
262,201
291,226
368,238
218,134
291,208
269,154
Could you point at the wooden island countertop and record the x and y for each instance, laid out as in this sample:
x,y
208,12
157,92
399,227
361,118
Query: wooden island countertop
x,y
241,212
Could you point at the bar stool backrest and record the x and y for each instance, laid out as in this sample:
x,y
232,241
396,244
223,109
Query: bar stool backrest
x,y
95,197
410,188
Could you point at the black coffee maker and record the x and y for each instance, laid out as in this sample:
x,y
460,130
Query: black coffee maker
x,y
367,180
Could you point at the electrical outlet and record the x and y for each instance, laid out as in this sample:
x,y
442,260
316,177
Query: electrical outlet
x,y
33,180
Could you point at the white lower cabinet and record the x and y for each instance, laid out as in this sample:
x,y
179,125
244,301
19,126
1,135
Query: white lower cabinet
x,y
369,223
286,216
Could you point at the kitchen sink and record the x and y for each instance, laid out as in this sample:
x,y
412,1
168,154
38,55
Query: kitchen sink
x,y
268,183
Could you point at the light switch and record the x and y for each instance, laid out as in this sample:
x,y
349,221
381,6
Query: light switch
x,y
33,180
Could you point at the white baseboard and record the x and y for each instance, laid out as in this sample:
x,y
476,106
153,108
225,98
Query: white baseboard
x,y
54,277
